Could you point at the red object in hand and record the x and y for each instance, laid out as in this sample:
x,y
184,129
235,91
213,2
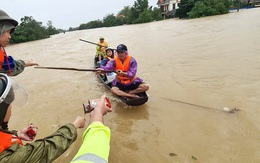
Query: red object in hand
x,y
107,102
32,131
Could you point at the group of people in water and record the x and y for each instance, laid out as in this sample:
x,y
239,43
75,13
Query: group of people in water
x,y
126,83
96,138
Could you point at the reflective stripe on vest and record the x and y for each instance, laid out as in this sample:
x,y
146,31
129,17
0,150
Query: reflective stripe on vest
x,y
6,140
90,157
2,58
124,67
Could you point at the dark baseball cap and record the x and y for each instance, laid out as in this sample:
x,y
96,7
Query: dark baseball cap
x,y
121,48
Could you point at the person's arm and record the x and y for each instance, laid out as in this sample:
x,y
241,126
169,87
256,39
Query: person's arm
x,y
104,62
133,68
51,147
30,63
22,134
19,66
79,122
110,65
100,110
96,138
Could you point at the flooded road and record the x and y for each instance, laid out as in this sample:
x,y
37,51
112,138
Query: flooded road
x,y
195,68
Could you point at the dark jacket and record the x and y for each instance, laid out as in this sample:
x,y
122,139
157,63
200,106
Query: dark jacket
x,y
19,66
43,150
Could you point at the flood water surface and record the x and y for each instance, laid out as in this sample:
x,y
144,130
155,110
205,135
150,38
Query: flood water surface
x,y
195,68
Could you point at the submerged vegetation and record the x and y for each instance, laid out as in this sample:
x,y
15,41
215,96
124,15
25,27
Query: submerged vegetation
x,y
202,8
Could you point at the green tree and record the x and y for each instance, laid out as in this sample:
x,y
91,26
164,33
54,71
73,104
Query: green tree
x,y
120,20
141,5
124,14
91,24
140,12
156,14
74,28
51,30
145,16
208,8
29,30
110,20
220,7
18,36
185,7
200,10
133,16
236,4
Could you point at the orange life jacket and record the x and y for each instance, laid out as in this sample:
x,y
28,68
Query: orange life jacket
x,y
6,140
124,67
109,58
2,58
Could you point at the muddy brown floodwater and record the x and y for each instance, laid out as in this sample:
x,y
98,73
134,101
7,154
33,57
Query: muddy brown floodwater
x,y
195,68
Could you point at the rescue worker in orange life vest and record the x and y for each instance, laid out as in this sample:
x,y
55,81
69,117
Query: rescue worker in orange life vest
x,y
126,83
7,64
46,150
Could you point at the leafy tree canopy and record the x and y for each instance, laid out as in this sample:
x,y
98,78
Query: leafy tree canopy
x,y
201,8
29,30
209,8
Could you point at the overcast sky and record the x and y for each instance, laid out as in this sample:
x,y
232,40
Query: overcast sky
x,y
65,13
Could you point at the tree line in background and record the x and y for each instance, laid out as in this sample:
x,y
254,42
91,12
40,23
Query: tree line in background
x,y
140,12
201,8
29,29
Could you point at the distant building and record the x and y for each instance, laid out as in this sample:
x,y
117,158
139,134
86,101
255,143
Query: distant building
x,y
248,3
254,3
168,7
